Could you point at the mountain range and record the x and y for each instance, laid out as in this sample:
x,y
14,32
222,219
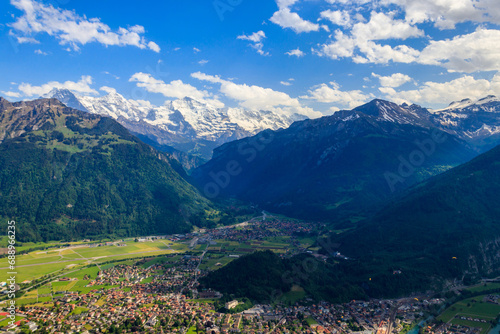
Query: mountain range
x,y
477,122
336,166
67,174
312,165
414,189
186,125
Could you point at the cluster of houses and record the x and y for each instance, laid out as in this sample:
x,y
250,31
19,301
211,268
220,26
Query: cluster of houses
x,y
493,299
261,230
156,297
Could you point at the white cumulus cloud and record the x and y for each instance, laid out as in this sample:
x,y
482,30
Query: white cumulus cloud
x,y
394,80
109,90
256,38
440,93
72,29
362,36
445,14
337,17
285,18
478,51
333,94
40,52
258,98
174,89
380,37
296,52
383,26
12,94
82,87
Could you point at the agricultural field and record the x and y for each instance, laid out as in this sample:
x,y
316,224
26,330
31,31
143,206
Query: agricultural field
x,y
215,261
484,287
4,321
39,263
221,252
26,246
277,244
473,308
46,296
153,261
52,269
294,295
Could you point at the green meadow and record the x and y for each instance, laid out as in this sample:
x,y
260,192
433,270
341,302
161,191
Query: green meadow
x,y
56,261
474,308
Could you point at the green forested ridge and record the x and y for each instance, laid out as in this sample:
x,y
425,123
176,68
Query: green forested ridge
x,y
265,277
66,174
447,226
255,276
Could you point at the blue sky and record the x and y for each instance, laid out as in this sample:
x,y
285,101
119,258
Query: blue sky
x,y
307,56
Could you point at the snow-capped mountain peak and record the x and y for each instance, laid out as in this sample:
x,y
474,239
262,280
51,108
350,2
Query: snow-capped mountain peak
x,y
489,103
459,104
180,121
115,106
391,112
488,99
471,120
65,96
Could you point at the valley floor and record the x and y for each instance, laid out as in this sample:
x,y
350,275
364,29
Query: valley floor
x,y
150,285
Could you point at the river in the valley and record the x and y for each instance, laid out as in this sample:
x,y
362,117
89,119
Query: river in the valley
x,y
495,330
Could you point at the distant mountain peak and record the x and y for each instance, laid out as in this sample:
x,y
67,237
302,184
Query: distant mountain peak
x,y
469,103
189,101
388,111
460,103
55,90
476,121
183,123
67,97
4,103
374,107
488,97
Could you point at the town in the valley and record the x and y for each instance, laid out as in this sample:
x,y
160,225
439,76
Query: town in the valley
x,y
162,294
